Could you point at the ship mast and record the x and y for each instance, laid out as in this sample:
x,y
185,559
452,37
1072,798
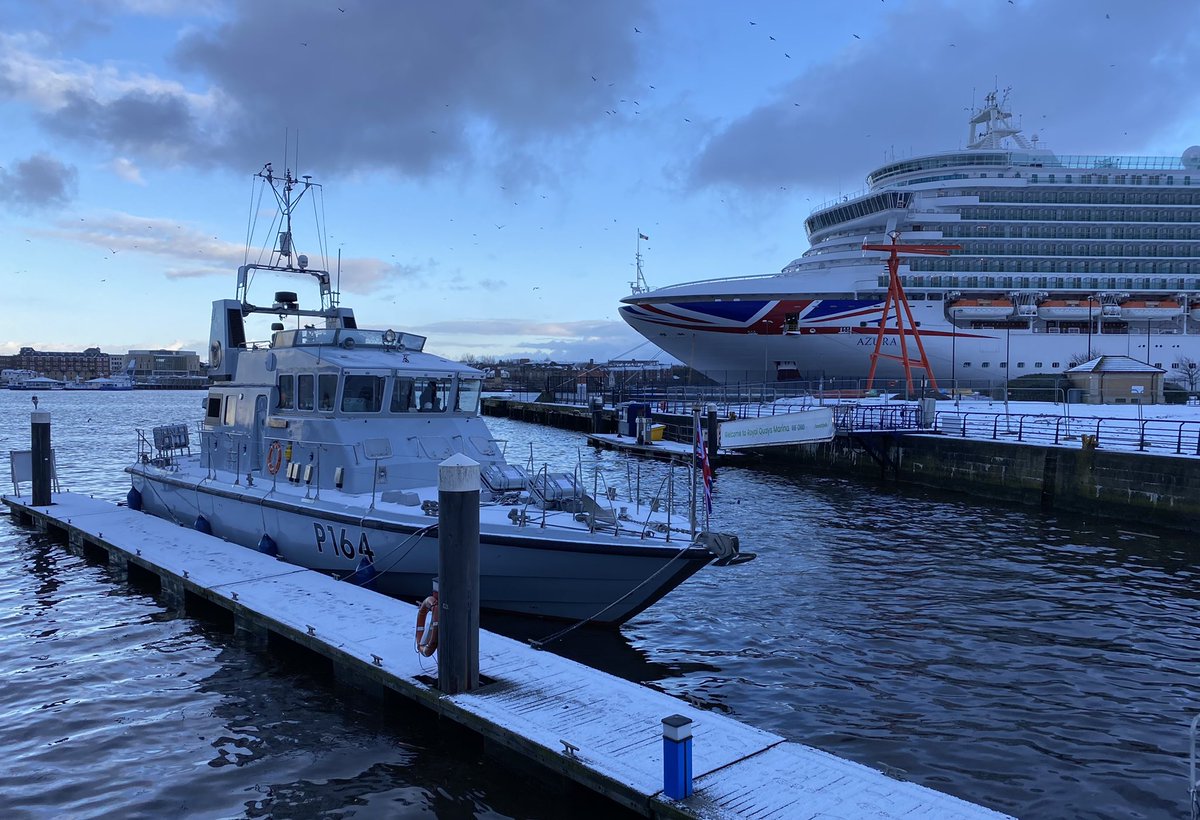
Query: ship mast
x,y
283,258
639,285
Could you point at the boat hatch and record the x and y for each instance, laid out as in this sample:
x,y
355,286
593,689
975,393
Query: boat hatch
x,y
504,478
557,491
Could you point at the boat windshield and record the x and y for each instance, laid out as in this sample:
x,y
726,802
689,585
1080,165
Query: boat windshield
x,y
467,398
349,338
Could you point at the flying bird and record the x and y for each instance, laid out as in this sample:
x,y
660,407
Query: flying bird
x,y
637,30
855,36
342,10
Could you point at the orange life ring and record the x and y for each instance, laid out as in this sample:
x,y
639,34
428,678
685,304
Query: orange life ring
x,y
427,637
274,457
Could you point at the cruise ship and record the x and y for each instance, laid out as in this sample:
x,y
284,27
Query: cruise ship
x,y
1059,259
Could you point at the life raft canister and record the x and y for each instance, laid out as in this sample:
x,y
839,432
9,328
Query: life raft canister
x,y
427,625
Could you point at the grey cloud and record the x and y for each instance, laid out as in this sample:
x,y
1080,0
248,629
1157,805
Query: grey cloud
x,y
40,181
414,86
1086,81
159,123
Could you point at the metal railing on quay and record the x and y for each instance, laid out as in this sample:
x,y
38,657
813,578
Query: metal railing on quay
x,y
1144,435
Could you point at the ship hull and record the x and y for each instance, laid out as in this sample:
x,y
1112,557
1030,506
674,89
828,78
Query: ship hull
x,y
834,339
532,573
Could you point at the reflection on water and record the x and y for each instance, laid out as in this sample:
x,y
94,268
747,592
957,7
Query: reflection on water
x,y
1040,664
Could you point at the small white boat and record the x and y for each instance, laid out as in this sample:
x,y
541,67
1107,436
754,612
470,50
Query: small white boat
x,y
323,445
38,383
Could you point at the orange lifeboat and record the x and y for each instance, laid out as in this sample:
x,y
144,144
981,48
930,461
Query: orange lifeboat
x,y
1145,309
981,308
1068,309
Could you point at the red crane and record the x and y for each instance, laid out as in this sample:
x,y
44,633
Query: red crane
x,y
895,296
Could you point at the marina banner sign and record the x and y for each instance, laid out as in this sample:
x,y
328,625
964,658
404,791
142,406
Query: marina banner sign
x,y
803,427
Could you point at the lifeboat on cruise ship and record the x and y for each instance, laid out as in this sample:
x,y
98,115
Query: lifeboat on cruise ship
x,y
980,308
1144,309
1068,309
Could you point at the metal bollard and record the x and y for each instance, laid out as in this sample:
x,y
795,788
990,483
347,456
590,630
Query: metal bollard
x,y
677,757
458,574
39,434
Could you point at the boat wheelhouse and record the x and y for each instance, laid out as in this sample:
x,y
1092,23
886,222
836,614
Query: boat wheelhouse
x,y
322,445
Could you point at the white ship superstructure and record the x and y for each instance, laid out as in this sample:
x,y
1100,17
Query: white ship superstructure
x,y
1060,258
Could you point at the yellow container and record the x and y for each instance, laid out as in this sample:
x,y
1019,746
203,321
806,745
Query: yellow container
x,y
656,431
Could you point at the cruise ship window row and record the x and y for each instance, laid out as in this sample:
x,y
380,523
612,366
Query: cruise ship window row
x,y
1095,267
863,207
1127,251
1105,196
1042,282
1053,365
994,213
1059,230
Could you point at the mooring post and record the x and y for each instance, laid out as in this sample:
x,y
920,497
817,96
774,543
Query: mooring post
x,y
597,413
713,435
677,757
42,468
458,574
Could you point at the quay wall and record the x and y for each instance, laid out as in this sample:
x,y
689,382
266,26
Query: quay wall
x,y
1160,488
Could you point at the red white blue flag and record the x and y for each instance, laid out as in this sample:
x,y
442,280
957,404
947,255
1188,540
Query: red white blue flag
x,y
705,468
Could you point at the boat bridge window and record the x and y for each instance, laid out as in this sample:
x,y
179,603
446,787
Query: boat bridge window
x,y
287,392
327,390
363,394
467,398
212,411
304,391
230,410
402,396
433,394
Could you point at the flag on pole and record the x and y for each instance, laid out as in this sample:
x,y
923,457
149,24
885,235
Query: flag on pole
x,y
705,468
643,236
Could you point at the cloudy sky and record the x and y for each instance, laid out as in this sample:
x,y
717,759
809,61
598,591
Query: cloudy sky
x,y
487,164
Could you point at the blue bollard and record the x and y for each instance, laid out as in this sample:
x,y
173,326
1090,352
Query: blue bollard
x,y
267,546
133,499
677,757
202,525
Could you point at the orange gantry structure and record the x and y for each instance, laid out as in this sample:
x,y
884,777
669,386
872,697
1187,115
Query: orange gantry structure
x,y
899,302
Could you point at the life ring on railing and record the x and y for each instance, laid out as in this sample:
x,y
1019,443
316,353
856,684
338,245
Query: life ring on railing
x,y
427,635
274,457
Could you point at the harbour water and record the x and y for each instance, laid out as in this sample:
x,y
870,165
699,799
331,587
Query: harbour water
x,y
1039,664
